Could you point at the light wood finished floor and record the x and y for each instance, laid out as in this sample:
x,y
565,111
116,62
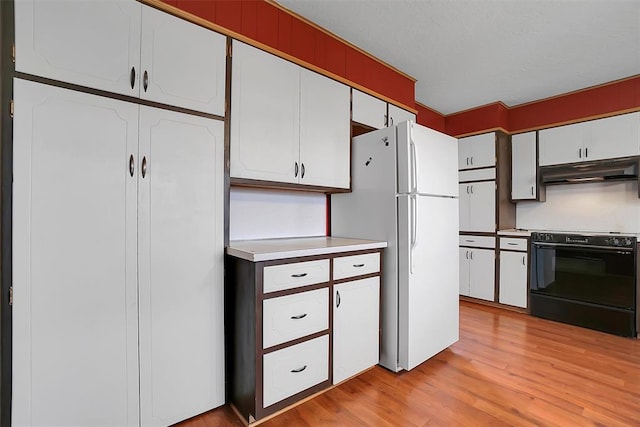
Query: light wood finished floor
x,y
507,369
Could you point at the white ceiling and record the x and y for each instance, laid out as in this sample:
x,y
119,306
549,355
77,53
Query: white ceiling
x,y
467,53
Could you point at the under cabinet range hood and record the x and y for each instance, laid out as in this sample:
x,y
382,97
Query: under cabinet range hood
x,y
599,170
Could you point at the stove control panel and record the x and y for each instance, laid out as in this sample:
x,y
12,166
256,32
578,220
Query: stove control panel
x,y
603,240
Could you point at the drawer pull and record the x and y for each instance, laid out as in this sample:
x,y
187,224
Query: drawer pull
x,y
295,371
358,265
512,244
299,275
300,316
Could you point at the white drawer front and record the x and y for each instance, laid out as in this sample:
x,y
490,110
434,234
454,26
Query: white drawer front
x,y
287,276
478,241
355,265
514,244
294,316
477,175
294,369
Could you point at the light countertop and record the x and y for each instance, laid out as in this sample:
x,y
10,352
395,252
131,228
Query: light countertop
x,y
271,249
515,232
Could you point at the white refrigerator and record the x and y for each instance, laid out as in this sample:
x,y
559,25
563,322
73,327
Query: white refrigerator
x,y
405,191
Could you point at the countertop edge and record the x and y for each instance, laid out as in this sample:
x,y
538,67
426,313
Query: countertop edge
x,y
271,256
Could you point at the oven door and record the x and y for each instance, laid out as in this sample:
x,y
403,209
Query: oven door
x,y
590,274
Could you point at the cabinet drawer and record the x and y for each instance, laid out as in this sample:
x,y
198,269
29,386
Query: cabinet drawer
x,y
478,241
294,369
514,244
287,276
355,265
294,316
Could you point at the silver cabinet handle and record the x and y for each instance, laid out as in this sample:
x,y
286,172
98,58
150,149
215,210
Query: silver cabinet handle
x,y
337,299
471,255
358,265
471,160
580,153
132,165
523,263
295,371
143,168
469,240
532,190
586,152
512,244
300,316
467,189
295,173
132,77
467,254
145,80
386,120
471,185
391,117
302,171
299,275
467,161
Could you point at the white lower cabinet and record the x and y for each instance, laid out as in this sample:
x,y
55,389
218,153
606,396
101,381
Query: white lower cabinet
x,y
282,325
117,261
513,278
477,273
356,327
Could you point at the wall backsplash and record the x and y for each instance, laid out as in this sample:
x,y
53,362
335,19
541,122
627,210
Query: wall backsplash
x,y
264,214
600,206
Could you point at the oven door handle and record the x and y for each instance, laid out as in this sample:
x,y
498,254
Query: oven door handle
x,y
563,245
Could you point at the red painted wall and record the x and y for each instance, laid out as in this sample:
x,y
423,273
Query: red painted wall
x,y
264,22
602,100
430,118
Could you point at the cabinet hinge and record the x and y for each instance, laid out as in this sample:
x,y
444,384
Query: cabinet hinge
x,y
11,295
13,52
11,107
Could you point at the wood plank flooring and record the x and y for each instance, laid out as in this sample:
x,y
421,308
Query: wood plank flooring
x,y
507,369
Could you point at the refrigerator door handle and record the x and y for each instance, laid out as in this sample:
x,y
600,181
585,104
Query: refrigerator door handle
x,y
414,229
414,168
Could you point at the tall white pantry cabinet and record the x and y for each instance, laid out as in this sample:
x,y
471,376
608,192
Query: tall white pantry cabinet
x,y
118,215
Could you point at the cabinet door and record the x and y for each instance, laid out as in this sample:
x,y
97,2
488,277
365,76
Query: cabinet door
x,y
181,266
613,137
478,151
464,271
325,131
563,144
482,211
368,110
356,327
523,166
94,44
513,278
265,116
182,64
482,274
397,115
464,206
75,327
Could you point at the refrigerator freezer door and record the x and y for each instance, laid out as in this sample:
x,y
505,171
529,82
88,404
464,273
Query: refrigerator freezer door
x,y
369,212
427,161
428,277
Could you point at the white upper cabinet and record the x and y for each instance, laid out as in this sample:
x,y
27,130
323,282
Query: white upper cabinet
x,y
397,115
52,41
325,149
607,138
265,116
523,166
288,124
478,151
477,206
368,110
181,63
97,44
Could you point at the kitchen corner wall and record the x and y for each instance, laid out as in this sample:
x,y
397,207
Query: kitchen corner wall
x,y
593,207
